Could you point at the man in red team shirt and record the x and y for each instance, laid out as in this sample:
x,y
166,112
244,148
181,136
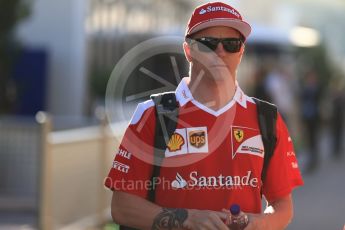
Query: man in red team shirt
x,y
215,156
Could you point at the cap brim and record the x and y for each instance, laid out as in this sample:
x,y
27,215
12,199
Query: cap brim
x,y
242,26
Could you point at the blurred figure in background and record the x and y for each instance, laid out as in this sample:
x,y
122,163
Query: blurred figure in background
x,y
310,99
338,102
279,88
260,90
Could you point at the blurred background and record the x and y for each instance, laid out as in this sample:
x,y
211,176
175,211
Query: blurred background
x,y
56,58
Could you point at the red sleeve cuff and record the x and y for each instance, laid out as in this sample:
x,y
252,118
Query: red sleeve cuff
x,y
283,192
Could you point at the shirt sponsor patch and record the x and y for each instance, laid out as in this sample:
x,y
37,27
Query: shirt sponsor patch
x,y
246,141
177,144
294,165
197,140
238,134
216,181
290,154
187,140
124,153
120,167
179,182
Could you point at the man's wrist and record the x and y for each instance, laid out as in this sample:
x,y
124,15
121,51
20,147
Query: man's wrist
x,y
269,221
188,221
265,220
170,218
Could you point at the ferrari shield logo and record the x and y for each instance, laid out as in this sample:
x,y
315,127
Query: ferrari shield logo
x,y
238,134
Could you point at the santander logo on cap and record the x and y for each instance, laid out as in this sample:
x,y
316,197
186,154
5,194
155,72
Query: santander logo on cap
x,y
202,11
217,14
219,8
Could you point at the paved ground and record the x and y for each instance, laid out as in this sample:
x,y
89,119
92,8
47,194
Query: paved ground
x,y
17,220
320,203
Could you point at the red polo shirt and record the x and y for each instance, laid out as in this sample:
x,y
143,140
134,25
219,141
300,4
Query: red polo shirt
x,y
213,159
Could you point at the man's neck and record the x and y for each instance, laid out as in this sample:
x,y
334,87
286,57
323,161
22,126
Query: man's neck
x,y
214,94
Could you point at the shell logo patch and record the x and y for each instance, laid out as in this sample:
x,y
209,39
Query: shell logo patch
x,y
197,138
238,134
175,143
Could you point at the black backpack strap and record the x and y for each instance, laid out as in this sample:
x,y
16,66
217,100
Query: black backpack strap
x,y
167,109
166,122
267,117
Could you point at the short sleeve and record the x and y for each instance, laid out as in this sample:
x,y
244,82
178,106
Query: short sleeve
x,y
283,174
132,169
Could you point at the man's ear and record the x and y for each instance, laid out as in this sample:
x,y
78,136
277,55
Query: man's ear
x,y
186,49
240,54
242,49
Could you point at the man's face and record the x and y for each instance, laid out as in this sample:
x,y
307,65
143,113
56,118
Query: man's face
x,y
220,63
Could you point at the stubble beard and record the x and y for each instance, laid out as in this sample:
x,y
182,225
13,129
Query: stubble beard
x,y
218,75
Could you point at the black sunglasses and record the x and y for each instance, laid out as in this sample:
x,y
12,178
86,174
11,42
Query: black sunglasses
x,y
209,44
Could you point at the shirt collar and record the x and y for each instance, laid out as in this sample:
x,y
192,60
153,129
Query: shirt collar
x,y
184,95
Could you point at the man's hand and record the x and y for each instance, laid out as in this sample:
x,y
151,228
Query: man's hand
x,y
204,219
256,221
